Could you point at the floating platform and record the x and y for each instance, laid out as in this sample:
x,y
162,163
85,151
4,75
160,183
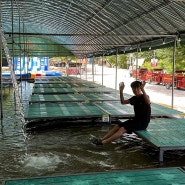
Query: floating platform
x,y
58,101
63,111
92,97
160,176
71,90
117,110
164,134
65,84
55,80
58,85
53,90
57,98
95,90
69,110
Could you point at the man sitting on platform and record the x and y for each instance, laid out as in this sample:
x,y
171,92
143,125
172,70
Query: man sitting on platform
x,y
142,110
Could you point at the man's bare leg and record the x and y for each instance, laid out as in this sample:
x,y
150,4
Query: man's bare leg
x,y
111,132
115,136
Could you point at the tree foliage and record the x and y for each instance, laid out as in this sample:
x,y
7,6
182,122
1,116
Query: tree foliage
x,y
164,56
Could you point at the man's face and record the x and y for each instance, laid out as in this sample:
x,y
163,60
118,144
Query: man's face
x,y
136,91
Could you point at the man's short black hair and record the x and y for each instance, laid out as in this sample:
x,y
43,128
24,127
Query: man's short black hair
x,y
135,84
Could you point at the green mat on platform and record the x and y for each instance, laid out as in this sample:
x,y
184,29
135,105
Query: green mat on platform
x,y
169,176
163,132
161,110
53,80
41,98
66,84
117,109
71,90
95,90
57,85
52,90
63,110
103,97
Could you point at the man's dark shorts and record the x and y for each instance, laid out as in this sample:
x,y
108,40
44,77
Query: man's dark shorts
x,y
132,125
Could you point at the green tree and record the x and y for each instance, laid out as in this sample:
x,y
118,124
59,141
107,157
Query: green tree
x,y
165,58
122,60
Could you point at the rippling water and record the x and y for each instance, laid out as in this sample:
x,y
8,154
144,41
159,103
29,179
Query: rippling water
x,y
67,150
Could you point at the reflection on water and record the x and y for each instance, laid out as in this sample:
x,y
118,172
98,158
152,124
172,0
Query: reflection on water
x,y
67,150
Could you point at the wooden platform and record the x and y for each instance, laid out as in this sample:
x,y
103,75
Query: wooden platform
x,y
45,81
49,106
95,90
71,90
164,134
96,97
54,97
48,79
116,109
159,176
66,84
57,98
57,85
63,111
87,97
158,110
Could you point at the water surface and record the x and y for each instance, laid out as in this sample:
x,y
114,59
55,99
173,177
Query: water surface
x,y
67,150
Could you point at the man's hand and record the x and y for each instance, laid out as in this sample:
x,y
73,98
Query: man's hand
x,y
142,86
121,86
147,99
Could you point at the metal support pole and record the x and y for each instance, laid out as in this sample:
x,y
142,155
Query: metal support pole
x,y
161,155
102,69
173,70
76,68
116,74
86,68
93,68
137,63
81,70
1,84
1,88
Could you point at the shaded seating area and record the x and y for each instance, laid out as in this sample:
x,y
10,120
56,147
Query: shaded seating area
x,y
151,176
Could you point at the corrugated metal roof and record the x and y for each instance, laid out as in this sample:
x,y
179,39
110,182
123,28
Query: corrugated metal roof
x,y
90,27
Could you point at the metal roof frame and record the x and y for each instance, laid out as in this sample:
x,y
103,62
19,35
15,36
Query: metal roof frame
x,y
85,28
